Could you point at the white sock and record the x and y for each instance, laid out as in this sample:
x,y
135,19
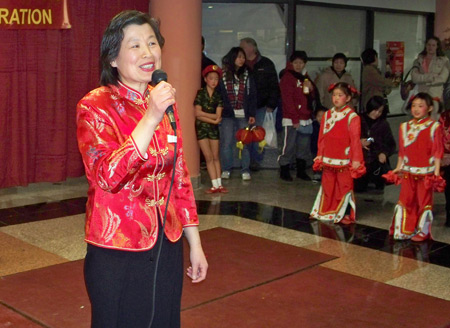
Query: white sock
x,y
219,181
215,184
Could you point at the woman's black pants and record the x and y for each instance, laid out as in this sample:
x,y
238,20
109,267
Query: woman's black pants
x,y
120,286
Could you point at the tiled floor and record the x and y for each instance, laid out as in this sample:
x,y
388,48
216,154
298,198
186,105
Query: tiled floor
x,y
42,225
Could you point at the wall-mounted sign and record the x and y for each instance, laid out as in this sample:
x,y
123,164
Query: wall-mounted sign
x,y
395,57
34,14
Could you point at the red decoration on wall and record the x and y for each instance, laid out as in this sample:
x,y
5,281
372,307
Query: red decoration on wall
x,y
34,15
44,74
395,57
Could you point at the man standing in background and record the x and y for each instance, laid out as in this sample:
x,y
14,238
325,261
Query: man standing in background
x,y
205,63
267,89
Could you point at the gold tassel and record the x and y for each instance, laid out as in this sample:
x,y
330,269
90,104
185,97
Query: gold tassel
x,y
262,144
240,146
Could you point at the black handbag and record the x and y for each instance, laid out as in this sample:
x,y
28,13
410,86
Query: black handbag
x,y
382,168
406,86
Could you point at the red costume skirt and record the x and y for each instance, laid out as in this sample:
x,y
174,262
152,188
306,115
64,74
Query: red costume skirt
x,y
335,195
413,212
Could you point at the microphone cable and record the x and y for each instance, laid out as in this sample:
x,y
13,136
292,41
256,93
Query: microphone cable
x,y
163,226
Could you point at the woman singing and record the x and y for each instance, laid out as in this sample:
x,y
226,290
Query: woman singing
x,y
128,149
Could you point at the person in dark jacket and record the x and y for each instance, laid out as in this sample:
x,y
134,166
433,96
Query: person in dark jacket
x,y
373,83
268,92
238,91
378,144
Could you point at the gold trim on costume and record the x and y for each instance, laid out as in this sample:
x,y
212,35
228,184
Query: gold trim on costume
x,y
155,152
152,202
334,116
341,203
157,177
335,162
418,170
403,230
410,135
139,101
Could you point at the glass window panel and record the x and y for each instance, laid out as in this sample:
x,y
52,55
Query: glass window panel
x,y
224,24
399,27
322,31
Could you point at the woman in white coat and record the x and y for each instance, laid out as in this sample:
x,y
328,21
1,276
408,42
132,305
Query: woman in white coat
x,y
430,71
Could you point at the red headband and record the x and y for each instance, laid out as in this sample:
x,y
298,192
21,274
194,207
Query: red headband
x,y
351,88
331,87
414,97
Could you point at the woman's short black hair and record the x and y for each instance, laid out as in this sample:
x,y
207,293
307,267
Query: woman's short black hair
x,y
340,55
112,40
369,56
439,51
374,103
299,54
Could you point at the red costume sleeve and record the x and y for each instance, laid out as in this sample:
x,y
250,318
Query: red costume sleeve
x,y
445,131
401,147
320,141
110,162
438,147
355,139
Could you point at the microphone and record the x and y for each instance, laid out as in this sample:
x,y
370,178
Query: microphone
x,y
158,76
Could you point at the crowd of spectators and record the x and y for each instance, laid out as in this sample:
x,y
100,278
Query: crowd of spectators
x,y
251,87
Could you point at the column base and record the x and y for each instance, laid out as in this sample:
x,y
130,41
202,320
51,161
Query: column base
x,y
196,182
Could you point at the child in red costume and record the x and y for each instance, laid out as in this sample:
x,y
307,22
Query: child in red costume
x,y
419,159
340,157
445,163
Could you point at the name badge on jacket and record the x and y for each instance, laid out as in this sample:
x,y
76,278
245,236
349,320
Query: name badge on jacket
x,y
171,138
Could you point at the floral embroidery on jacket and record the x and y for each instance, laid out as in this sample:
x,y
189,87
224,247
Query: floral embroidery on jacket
x,y
128,190
110,224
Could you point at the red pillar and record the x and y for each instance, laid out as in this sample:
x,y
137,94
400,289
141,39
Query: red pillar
x,y
181,26
442,19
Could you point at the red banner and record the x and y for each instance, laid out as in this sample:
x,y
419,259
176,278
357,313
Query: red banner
x,y
395,55
34,14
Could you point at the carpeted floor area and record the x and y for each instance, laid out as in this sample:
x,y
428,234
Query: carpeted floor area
x,y
319,297
287,287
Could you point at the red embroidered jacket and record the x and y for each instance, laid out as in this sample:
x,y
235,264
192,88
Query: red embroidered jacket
x,y
339,137
420,143
127,189
444,120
